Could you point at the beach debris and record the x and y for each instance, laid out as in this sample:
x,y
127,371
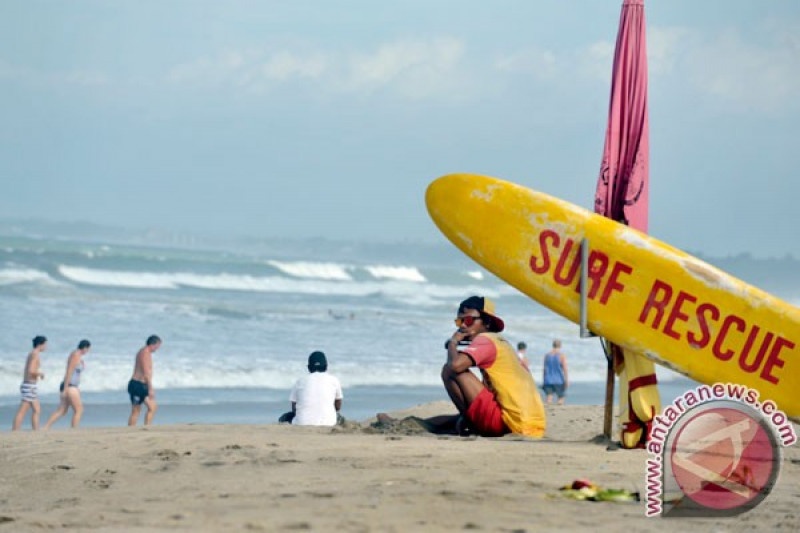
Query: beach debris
x,y
583,489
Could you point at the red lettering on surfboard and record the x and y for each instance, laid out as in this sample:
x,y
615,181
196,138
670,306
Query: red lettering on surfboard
x,y
747,345
702,321
544,266
658,299
775,360
567,278
603,274
598,264
721,354
613,283
678,314
728,337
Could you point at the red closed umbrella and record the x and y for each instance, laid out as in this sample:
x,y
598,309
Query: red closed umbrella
x,y
622,194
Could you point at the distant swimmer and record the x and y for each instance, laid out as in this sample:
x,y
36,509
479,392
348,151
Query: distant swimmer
x,y
70,393
28,388
523,358
317,397
140,387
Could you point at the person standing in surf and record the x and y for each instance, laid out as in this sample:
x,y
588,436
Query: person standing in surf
x,y
140,386
28,388
70,393
523,358
555,378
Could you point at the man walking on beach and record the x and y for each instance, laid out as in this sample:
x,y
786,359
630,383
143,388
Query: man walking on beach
x,y
316,398
28,388
555,379
140,387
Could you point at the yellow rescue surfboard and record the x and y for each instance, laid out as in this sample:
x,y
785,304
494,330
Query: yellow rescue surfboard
x,y
643,295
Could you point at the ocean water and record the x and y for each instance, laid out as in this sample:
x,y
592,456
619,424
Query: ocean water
x,y
239,321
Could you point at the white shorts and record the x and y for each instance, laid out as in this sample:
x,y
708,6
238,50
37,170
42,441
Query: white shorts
x,y
28,391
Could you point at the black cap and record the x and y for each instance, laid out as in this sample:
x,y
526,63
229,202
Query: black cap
x,y
317,362
485,306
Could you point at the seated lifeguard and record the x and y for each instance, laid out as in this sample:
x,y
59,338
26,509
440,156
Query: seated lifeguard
x,y
506,400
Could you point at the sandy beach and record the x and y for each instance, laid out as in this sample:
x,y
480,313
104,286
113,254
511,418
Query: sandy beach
x,y
356,478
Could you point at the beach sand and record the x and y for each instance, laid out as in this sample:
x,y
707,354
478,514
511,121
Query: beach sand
x,y
356,478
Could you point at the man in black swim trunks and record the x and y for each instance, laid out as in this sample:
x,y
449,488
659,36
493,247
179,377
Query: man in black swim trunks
x,y
140,387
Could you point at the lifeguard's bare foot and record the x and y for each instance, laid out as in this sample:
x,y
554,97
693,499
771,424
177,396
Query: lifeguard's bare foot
x,y
463,427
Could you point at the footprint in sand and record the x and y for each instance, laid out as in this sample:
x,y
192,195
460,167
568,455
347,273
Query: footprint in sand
x,y
167,455
169,459
101,479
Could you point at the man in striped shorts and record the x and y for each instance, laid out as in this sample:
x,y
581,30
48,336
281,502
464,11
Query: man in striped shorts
x,y
28,391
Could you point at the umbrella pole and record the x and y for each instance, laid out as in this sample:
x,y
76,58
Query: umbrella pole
x,y
608,413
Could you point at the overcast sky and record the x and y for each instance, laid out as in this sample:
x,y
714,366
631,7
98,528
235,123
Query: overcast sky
x,y
330,118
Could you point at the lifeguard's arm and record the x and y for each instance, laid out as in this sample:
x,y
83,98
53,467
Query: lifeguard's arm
x,y
563,359
457,362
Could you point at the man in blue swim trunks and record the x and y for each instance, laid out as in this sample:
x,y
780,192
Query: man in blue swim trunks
x,y
140,387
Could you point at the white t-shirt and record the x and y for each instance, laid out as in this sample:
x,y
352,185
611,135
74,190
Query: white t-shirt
x,y
315,394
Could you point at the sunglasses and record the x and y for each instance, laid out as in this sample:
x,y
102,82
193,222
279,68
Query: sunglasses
x,y
466,320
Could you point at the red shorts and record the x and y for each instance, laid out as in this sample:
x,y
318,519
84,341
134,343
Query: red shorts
x,y
486,415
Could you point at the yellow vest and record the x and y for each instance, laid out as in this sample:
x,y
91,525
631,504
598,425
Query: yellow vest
x,y
515,390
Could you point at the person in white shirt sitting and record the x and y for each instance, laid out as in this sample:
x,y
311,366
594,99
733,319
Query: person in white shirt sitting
x,y
316,398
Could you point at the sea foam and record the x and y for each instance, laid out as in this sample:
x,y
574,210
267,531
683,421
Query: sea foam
x,y
401,273
12,276
306,269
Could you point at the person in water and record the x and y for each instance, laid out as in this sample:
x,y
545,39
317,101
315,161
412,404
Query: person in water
x,y
70,393
506,399
555,378
522,348
28,389
140,387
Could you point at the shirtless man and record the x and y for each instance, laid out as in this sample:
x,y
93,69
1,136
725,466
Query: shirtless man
x,y
140,387
27,389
